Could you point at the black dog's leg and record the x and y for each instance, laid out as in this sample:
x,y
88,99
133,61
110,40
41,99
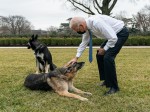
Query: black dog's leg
x,y
41,64
37,66
48,58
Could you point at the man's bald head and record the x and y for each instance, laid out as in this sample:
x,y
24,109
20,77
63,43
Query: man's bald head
x,y
78,24
76,21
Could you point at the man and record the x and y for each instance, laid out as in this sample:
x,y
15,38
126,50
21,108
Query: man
x,y
114,32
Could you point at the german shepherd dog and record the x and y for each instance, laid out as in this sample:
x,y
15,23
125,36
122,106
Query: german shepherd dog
x,y
60,80
43,56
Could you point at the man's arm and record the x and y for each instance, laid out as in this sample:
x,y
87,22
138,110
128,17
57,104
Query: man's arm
x,y
107,32
81,48
83,45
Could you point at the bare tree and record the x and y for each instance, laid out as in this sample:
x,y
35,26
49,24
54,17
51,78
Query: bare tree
x,y
23,26
52,28
147,7
142,19
95,6
52,31
15,25
89,6
122,16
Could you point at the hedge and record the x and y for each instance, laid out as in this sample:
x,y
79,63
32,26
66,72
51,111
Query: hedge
x,y
132,41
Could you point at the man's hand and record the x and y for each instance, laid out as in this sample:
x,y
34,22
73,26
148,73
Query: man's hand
x,y
101,51
73,61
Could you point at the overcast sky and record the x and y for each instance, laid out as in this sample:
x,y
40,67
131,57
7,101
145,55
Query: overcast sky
x,y
45,13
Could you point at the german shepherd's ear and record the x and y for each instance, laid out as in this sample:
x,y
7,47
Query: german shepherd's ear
x,y
63,70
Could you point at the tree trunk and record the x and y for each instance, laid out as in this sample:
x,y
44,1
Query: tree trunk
x,y
104,7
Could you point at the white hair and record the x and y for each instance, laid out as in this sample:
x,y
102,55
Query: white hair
x,y
76,21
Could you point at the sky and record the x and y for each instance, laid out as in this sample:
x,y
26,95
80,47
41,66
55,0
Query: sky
x,y
45,13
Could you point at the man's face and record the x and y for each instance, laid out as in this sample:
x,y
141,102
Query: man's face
x,y
80,29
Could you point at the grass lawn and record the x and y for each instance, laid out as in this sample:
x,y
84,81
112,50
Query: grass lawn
x,y
133,68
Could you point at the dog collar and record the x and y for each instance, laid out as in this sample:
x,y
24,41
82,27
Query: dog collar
x,y
39,47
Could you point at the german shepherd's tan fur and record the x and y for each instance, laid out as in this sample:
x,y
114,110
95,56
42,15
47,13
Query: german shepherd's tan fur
x,y
64,83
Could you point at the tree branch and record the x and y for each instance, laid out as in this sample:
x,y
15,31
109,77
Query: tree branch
x,y
113,4
97,4
73,2
96,7
80,8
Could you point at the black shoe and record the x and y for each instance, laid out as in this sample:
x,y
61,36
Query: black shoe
x,y
103,84
111,91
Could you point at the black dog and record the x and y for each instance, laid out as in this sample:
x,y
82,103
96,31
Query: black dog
x,y
43,56
39,82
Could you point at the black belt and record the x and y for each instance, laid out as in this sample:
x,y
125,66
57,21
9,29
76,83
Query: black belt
x,y
122,29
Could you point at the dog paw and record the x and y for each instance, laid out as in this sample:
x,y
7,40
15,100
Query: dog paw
x,y
84,99
88,93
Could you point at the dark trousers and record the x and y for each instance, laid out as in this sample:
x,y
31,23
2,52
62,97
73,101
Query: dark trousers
x,y
106,62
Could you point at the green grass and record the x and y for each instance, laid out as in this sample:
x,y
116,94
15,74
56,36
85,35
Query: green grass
x,y
133,68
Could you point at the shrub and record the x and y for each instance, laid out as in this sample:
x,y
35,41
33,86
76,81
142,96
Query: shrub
x,y
68,41
2,42
45,41
132,41
57,42
76,41
97,41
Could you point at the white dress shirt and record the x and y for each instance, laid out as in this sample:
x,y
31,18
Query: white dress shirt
x,y
102,26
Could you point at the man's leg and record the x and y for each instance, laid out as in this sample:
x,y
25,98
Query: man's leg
x,y
100,64
110,71
109,62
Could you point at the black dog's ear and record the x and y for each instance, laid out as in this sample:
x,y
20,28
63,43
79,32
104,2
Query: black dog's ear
x,y
32,37
36,36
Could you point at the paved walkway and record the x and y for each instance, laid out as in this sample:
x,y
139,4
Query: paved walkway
x,y
87,47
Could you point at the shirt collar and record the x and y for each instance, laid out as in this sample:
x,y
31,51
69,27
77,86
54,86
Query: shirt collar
x,y
88,23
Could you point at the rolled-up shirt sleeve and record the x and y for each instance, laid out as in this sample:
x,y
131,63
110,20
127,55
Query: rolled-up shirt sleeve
x,y
83,45
108,33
